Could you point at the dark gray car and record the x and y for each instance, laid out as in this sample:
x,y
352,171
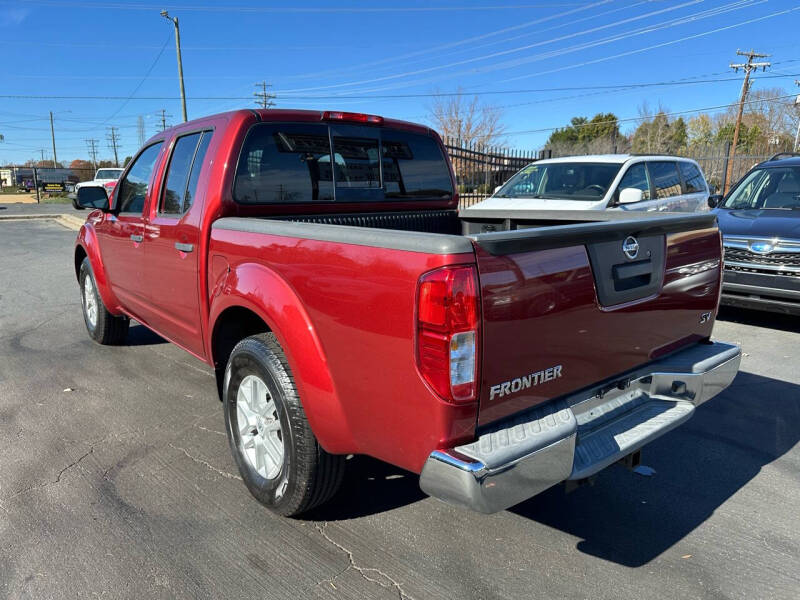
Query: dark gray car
x,y
760,224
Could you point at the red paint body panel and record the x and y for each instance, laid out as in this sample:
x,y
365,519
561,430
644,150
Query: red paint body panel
x,y
540,310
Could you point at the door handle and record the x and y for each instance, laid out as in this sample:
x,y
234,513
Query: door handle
x,y
184,247
137,238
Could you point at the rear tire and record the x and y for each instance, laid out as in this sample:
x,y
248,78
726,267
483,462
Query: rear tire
x,y
103,327
278,456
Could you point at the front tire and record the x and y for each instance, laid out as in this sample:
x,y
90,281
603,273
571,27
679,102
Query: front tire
x,y
278,456
103,327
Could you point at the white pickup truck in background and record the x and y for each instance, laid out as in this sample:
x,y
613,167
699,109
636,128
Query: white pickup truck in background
x,y
106,177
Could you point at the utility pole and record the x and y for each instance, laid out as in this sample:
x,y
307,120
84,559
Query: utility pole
x,y
92,144
174,20
164,116
53,137
42,150
263,98
113,143
747,67
797,109
140,130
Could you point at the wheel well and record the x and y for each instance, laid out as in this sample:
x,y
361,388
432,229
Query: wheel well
x,y
80,254
232,326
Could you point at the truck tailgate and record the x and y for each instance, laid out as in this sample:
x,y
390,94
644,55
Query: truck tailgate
x,y
566,306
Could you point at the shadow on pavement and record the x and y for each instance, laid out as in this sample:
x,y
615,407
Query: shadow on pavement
x,y
759,318
627,518
139,335
370,486
630,520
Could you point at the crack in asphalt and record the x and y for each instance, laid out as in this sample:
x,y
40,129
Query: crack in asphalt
x,y
55,481
389,582
206,464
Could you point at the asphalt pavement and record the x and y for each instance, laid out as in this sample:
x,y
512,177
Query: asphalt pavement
x,y
116,480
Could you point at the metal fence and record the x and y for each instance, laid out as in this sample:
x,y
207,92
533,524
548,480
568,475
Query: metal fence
x,y
713,160
479,168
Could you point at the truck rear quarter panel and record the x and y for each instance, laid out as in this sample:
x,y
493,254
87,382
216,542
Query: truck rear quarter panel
x,y
345,316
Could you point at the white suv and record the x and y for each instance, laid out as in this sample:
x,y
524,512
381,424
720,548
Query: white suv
x,y
620,181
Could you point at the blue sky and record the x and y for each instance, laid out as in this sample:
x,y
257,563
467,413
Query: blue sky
x,y
353,51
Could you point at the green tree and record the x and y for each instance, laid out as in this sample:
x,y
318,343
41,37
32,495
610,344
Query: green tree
x,y
700,130
582,130
659,135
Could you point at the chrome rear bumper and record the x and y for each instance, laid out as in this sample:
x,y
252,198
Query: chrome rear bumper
x,y
575,437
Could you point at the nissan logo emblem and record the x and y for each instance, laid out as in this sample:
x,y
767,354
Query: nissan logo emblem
x,y
630,247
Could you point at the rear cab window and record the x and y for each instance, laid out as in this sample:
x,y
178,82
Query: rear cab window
x,y
302,163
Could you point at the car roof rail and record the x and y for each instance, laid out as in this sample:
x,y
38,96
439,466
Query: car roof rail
x,y
781,155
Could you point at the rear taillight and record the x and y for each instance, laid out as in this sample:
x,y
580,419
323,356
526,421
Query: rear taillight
x,y
335,115
447,332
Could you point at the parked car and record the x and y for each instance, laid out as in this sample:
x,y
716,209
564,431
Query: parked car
x,y
317,261
106,177
621,181
760,223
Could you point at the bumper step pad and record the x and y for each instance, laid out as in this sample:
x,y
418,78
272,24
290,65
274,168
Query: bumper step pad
x,y
598,448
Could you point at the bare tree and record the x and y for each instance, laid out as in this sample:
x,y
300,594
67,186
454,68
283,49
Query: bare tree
x,y
468,120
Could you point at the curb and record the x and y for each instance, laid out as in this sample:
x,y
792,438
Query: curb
x,y
68,221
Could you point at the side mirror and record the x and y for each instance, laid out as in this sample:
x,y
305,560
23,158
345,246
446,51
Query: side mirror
x,y
630,195
714,200
94,196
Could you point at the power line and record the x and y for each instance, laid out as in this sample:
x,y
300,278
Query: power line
x,y
619,86
666,114
139,85
731,6
299,9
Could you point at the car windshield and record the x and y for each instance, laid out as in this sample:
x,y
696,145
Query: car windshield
x,y
109,173
774,188
563,181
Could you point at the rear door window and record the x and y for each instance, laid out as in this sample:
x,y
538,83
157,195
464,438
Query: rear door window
x,y
178,173
197,167
636,177
692,178
665,178
183,172
287,163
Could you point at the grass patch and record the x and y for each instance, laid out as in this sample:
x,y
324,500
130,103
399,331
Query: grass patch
x,y
55,200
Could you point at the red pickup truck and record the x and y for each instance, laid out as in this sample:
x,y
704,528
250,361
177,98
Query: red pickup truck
x,y
319,263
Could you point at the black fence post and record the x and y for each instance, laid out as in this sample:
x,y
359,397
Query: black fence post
x,y
36,185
